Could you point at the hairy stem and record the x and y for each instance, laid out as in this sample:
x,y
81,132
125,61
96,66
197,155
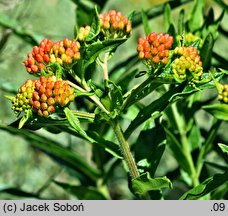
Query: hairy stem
x,y
128,157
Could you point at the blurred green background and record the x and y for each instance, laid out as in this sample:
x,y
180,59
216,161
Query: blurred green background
x,y
20,165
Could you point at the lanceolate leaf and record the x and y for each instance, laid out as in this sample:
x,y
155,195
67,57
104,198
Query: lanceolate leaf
x,y
151,147
93,50
223,147
219,110
57,152
95,27
82,192
177,150
109,146
115,95
19,193
167,16
157,105
206,187
19,30
181,24
141,91
74,122
145,183
156,11
196,16
206,51
146,25
25,118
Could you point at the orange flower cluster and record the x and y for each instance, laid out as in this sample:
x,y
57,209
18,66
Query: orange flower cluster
x,y
50,94
114,25
64,52
39,56
155,48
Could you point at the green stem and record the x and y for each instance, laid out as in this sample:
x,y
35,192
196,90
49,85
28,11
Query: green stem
x,y
184,141
92,97
128,157
207,145
105,66
86,115
134,91
76,78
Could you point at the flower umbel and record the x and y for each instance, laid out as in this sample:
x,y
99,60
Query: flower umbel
x,y
21,103
154,49
115,25
65,52
223,96
50,94
39,57
83,33
187,64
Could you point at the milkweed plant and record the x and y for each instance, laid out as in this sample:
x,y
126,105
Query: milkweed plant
x,y
134,114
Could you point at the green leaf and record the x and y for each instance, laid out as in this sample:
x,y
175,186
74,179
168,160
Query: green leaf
x,y
109,146
95,27
196,44
125,80
213,28
223,147
84,10
172,32
206,51
19,193
158,105
96,48
205,187
19,30
149,149
167,16
82,94
196,16
177,151
121,69
156,11
210,18
206,83
138,93
145,183
24,119
217,166
218,110
146,25
181,24
74,121
82,192
59,153
116,96
195,137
